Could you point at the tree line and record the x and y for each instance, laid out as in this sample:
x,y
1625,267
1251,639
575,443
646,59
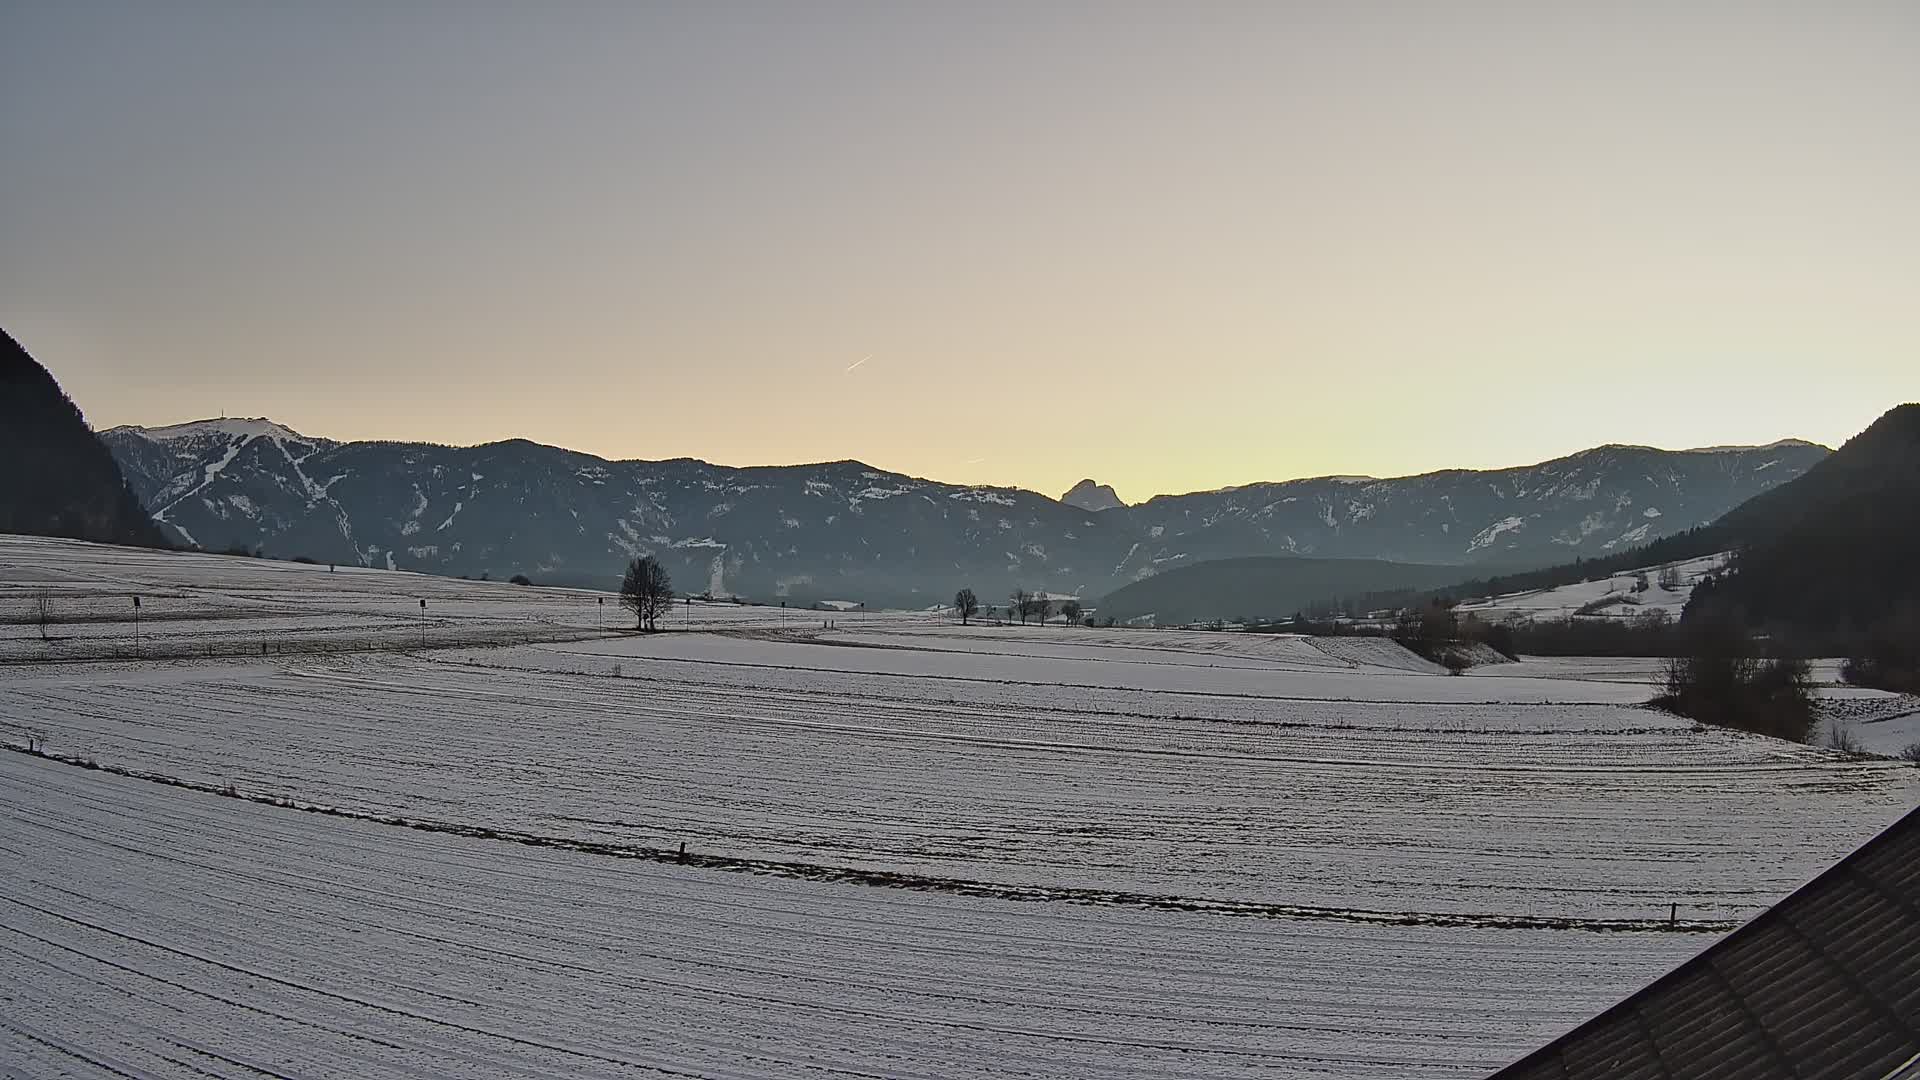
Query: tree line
x,y
1022,605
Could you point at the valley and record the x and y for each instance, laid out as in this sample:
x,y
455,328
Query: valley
x,y
910,848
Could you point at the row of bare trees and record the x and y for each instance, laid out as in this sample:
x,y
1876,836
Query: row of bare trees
x,y
647,591
1021,604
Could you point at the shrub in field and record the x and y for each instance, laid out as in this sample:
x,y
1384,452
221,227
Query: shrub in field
x,y
1432,631
1911,753
1841,737
1722,681
1499,637
520,579
1427,629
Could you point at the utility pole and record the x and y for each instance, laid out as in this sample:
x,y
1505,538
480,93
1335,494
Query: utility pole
x,y
603,613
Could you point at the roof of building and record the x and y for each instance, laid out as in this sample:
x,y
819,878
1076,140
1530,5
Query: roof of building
x,y
1825,983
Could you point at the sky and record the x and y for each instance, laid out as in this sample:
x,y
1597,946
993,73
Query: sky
x,y
1170,247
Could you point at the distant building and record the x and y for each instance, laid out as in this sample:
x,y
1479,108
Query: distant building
x,y
1056,600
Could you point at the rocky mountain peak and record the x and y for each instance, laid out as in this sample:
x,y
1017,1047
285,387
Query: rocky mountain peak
x,y
1088,495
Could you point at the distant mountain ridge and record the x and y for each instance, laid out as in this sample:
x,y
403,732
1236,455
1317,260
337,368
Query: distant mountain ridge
x,y
60,479
843,529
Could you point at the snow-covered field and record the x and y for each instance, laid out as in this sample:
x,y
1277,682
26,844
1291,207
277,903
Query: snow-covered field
x,y
196,605
914,849
1613,597
1871,721
155,932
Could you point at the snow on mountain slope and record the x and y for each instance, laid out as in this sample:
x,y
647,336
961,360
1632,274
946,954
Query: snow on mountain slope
x,y
225,427
1592,503
203,480
844,529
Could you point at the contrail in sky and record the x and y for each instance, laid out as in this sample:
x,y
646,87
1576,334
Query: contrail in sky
x,y
858,362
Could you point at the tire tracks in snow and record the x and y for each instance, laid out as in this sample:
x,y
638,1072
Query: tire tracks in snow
x,y
922,882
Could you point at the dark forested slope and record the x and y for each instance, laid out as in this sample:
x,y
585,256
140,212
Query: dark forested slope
x,y
59,478
1838,548
1261,587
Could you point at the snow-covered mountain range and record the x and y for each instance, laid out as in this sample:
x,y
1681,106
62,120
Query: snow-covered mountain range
x,y
844,529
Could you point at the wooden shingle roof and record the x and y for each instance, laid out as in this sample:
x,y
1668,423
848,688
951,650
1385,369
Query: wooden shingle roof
x,y
1825,984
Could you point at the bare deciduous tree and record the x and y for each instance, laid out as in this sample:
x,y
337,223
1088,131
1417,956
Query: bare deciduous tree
x,y
1071,612
967,604
43,611
1020,603
647,591
1042,607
